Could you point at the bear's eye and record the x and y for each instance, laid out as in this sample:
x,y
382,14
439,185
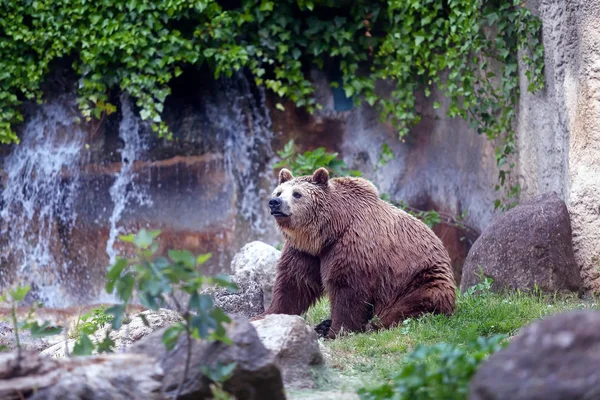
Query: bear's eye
x,y
278,194
297,195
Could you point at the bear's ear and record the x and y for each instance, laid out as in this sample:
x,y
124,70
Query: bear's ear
x,y
285,175
321,176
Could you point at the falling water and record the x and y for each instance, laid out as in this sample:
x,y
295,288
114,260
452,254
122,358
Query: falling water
x,y
125,192
60,225
41,182
245,132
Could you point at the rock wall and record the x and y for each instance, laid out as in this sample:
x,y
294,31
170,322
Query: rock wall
x,y
441,164
208,187
559,129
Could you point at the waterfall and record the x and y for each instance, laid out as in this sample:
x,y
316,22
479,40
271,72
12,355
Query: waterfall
x,y
124,192
66,200
245,134
41,182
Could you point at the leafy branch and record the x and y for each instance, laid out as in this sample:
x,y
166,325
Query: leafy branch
x,y
160,281
13,298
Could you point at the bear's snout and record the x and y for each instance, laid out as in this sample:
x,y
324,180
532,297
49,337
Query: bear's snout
x,y
275,203
278,208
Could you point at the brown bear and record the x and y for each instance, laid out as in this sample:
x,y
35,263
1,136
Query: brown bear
x,y
371,258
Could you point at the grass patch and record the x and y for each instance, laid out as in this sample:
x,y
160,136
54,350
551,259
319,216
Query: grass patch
x,y
374,358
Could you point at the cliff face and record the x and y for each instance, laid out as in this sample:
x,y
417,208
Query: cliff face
x,y
70,188
559,129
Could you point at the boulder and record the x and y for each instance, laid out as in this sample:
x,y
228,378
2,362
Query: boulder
x,y
255,377
115,376
553,359
129,333
28,342
295,346
256,261
246,302
526,246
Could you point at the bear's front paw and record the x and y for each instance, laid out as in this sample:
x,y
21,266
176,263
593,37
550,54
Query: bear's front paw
x,y
323,328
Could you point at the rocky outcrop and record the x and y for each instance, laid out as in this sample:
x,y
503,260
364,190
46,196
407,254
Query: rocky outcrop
x,y
132,330
255,377
28,342
257,262
528,245
246,302
559,129
553,359
115,376
145,369
295,346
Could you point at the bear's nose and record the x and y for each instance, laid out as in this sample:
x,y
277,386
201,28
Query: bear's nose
x,y
275,203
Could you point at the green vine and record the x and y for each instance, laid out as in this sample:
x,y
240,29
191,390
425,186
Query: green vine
x,y
140,46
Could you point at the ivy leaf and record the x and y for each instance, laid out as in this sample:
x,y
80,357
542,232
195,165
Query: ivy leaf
x,y
118,312
114,273
203,258
183,256
144,238
19,293
171,335
125,287
83,346
106,345
39,331
127,238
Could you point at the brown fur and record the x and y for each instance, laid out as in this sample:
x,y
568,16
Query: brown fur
x,y
371,258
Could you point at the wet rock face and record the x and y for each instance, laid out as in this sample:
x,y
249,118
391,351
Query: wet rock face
x,y
552,359
526,246
204,190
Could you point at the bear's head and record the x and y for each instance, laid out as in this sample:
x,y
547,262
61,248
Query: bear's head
x,y
297,202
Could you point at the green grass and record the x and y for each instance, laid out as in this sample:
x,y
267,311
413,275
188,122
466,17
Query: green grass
x,y
372,358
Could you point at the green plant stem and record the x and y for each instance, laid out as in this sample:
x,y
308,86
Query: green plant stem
x,y
13,313
188,335
188,356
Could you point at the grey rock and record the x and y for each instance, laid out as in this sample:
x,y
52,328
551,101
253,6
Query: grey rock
x,y
256,261
558,129
256,375
246,302
28,342
115,376
295,346
553,359
526,246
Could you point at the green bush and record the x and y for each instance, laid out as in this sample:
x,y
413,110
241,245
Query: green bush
x,y
418,45
438,372
307,162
